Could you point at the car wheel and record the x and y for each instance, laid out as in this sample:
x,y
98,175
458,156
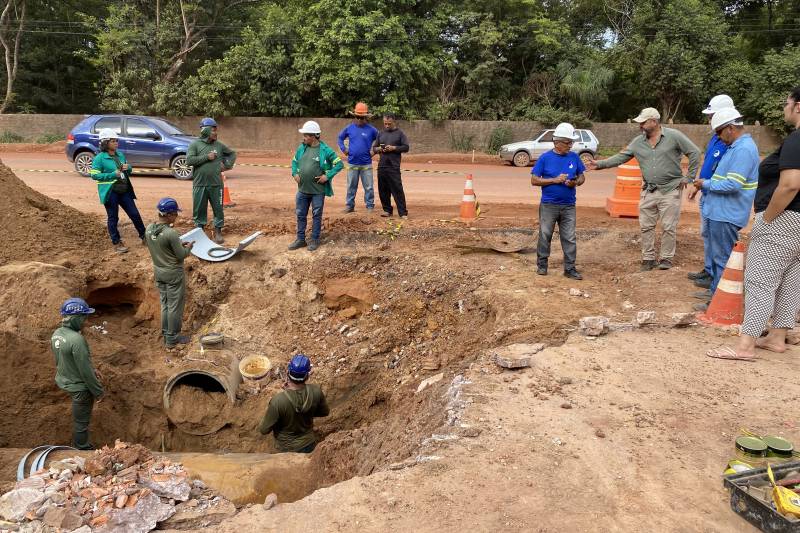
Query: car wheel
x,y
83,163
586,157
180,170
521,159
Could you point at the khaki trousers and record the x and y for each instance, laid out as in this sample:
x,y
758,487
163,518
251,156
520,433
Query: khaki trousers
x,y
654,207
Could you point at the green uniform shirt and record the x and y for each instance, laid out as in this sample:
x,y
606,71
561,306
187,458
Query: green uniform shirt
x,y
661,165
166,251
290,416
206,172
74,372
309,170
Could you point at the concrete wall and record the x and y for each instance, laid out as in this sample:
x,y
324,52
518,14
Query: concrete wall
x,y
263,133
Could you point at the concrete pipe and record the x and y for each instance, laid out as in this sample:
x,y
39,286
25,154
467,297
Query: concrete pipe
x,y
198,401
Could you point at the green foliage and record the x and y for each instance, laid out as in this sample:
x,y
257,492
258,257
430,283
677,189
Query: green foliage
x,y
547,115
48,138
461,141
441,60
10,137
499,136
777,76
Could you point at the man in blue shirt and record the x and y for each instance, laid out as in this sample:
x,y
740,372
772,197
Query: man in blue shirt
x,y
730,192
714,152
360,134
558,172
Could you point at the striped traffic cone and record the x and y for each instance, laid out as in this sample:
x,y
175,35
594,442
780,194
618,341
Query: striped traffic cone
x,y
727,305
226,193
470,210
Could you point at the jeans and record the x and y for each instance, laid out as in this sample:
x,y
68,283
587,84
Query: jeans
x,y
721,238
390,184
82,405
708,261
127,203
564,216
353,176
301,204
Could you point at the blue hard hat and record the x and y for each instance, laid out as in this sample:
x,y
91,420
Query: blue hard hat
x,y
208,121
76,306
167,205
299,367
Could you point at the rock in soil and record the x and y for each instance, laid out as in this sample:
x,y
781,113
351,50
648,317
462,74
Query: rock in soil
x,y
516,355
270,501
594,325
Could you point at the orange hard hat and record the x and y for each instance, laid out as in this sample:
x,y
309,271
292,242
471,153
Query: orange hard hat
x,y
361,109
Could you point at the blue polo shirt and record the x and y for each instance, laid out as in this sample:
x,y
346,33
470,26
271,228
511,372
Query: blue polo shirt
x,y
551,165
359,147
731,190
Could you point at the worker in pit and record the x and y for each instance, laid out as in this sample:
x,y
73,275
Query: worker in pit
x,y
291,412
74,372
168,253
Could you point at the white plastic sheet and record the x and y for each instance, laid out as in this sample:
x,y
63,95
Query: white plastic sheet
x,y
208,250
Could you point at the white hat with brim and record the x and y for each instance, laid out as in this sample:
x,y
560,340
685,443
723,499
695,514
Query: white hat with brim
x,y
647,114
721,101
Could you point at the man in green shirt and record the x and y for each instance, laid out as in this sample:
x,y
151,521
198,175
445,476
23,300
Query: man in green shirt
x,y
658,151
208,158
291,412
168,254
74,372
313,167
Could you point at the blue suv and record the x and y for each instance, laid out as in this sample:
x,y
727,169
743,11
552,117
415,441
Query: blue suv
x,y
147,142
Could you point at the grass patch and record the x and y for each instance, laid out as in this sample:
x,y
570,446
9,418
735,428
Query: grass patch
x,y
49,138
461,142
11,137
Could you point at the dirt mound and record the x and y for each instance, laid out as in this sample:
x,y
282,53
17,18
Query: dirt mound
x,y
198,410
40,228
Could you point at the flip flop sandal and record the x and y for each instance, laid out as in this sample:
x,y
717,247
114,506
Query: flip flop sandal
x,y
728,353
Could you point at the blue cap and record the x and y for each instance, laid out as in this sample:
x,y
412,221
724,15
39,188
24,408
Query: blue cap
x,y
76,306
208,121
167,206
299,367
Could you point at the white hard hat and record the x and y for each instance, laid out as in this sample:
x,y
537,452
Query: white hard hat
x,y
726,117
310,127
721,101
565,130
107,134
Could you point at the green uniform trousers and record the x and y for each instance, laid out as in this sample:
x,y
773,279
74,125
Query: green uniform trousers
x,y
201,197
172,289
82,405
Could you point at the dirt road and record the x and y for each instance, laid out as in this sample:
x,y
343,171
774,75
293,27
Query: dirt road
x,y
271,187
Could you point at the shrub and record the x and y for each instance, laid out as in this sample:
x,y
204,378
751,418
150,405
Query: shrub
x,y
499,136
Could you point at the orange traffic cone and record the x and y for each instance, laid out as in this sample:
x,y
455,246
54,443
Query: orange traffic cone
x,y
470,209
625,201
226,193
727,305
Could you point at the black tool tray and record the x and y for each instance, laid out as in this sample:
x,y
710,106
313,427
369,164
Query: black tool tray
x,y
760,514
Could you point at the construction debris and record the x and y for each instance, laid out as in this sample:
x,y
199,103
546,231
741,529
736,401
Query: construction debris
x,y
124,489
683,319
644,318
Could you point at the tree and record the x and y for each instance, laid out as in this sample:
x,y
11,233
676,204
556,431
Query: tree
x,y
12,23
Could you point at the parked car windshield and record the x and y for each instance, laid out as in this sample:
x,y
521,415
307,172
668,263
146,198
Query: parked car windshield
x,y
537,135
168,127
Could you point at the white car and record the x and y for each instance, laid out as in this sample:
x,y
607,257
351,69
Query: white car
x,y
523,153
